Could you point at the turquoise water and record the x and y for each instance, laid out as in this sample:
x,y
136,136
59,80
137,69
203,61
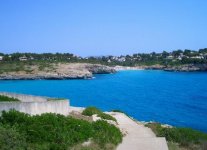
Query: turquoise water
x,y
178,99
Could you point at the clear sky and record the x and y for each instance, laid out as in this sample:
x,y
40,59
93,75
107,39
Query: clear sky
x,y
102,27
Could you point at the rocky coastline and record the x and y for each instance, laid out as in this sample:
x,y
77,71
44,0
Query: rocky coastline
x,y
86,71
119,68
187,68
178,68
59,72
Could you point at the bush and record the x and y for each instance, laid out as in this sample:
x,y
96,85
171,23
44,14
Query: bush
x,y
53,131
50,128
185,137
106,133
13,117
89,111
7,99
119,111
11,139
116,110
106,116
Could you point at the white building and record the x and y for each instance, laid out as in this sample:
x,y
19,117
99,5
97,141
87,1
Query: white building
x,y
180,57
1,58
24,58
198,57
170,57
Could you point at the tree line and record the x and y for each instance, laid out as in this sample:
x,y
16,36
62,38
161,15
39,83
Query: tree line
x,y
175,57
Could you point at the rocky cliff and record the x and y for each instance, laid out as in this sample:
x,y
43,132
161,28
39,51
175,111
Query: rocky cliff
x,y
99,69
58,71
187,68
179,68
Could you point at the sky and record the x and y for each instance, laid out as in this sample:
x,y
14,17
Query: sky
x,y
102,27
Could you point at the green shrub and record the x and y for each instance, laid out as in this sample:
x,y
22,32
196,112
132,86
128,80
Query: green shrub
x,y
185,137
53,131
116,110
89,111
106,116
7,99
11,139
14,117
106,133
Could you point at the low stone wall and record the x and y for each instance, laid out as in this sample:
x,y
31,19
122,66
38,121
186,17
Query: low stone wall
x,y
24,97
35,105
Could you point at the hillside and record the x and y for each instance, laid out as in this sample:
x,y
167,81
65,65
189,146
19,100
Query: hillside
x,y
22,70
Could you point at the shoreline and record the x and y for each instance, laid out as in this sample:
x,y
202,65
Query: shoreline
x,y
165,125
58,72
136,133
71,71
120,68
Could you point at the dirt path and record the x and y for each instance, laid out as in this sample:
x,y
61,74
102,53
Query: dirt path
x,y
138,137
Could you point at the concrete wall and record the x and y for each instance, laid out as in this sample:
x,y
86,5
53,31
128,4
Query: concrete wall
x,y
35,104
37,108
24,97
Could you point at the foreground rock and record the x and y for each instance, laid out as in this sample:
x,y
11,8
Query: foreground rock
x,y
59,71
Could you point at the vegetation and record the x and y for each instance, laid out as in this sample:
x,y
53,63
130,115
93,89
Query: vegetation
x,y
10,138
103,130
52,131
184,137
89,111
107,117
14,62
116,110
55,99
7,99
27,66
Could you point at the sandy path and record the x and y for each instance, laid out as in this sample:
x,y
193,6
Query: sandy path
x,y
138,137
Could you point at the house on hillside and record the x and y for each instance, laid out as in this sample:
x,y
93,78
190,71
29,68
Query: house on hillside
x,y
179,57
24,58
1,58
170,57
197,57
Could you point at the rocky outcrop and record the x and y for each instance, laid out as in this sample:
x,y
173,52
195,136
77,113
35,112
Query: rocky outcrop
x,y
187,68
100,69
154,67
59,71
179,68
43,76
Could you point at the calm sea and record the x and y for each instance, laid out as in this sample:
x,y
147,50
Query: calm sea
x,y
175,98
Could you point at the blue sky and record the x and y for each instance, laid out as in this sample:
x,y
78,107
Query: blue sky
x,y
102,27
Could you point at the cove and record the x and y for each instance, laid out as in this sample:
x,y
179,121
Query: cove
x,y
175,98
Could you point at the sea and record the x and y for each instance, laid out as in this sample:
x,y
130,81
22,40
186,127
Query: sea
x,y
174,98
